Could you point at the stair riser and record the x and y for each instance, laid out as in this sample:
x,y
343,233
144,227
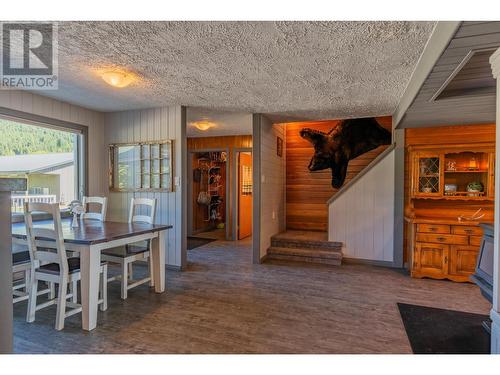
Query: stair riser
x,y
291,258
309,253
306,244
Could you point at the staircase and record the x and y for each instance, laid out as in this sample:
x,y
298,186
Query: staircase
x,y
305,246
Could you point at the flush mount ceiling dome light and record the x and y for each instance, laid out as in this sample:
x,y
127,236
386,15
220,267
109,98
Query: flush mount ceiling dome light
x,y
117,79
203,125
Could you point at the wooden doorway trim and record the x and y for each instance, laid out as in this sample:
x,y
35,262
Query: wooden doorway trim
x,y
235,190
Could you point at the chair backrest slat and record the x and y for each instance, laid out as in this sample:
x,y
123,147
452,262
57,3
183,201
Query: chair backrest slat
x,y
135,203
40,233
37,233
102,201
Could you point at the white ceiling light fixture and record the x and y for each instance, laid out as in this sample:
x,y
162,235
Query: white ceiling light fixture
x,y
117,78
204,125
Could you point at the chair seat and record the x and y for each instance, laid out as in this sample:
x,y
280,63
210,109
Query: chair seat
x,y
53,268
20,258
128,250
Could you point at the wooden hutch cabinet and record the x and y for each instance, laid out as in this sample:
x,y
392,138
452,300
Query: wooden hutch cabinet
x,y
451,191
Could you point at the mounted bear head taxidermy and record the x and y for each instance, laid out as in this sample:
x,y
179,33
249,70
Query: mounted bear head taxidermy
x,y
346,141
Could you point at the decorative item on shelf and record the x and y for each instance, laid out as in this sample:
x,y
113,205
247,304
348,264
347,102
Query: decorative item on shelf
x,y
76,209
450,189
473,166
423,166
451,166
474,217
474,188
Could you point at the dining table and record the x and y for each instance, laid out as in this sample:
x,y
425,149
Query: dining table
x,y
89,239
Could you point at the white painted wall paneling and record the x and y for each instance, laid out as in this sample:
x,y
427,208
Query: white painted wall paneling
x,y
363,216
151,125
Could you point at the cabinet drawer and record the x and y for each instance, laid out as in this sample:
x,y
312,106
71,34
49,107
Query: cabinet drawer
x,y
433,228
466,231
452,239
475,240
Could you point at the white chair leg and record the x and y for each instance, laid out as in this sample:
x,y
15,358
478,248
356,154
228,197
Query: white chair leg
x,y
104,288
130,272
26,281
74,291
124,280
32,298
61,302
52,288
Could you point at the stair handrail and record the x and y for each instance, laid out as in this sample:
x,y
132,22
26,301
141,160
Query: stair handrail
x,y
364,171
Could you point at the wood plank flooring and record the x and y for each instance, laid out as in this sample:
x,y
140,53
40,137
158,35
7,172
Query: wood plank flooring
x,y
225,304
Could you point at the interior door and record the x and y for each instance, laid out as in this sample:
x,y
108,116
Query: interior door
x,y
245,190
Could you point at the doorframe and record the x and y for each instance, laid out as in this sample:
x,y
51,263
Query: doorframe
x,y
234,199
190,186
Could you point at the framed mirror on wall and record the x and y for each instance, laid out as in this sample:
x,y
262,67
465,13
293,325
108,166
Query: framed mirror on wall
x,y
141,166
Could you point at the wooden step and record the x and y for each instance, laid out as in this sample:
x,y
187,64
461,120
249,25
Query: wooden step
x,y
310,255
307,243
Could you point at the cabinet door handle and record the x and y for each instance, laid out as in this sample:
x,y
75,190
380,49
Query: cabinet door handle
x,y
468,231
441,239
446,259
432,229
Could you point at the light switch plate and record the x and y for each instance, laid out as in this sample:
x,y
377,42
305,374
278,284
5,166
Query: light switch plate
x,y
177,181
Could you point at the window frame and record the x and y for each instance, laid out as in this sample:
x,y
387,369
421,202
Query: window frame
x,y
81,183
112,166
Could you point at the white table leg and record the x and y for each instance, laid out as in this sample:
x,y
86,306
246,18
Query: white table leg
x,y
158,254
90,261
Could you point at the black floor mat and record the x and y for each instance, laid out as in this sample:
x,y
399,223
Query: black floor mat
x,y
194,242
438,331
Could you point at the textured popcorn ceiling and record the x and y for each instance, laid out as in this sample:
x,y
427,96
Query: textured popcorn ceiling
x,y
225,123
290,69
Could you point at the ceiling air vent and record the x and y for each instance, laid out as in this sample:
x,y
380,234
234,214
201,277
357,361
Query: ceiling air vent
x,y
472,77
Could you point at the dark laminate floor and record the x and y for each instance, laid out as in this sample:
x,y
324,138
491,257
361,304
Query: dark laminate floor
x,y
224,304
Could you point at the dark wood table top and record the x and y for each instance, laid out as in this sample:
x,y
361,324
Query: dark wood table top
x,y
91,232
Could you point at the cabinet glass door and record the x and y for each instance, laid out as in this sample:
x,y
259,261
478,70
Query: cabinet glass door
x,y
428,180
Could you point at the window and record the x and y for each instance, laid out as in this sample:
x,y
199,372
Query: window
x,y
47,157
143,166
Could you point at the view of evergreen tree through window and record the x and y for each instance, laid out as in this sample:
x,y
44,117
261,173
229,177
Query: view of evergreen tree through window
x,y
20,139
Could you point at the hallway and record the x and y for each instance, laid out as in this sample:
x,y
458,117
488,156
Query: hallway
x,y
225,304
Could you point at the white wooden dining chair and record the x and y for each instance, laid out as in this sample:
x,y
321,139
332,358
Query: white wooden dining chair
x,y
102,201
21,264
58,268
126,255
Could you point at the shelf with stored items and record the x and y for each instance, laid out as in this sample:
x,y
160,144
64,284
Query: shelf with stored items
x,y
450,192
452,172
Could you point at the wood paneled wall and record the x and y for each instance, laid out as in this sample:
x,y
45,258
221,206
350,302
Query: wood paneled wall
x,y
307,192
444,135
222,143
149,125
